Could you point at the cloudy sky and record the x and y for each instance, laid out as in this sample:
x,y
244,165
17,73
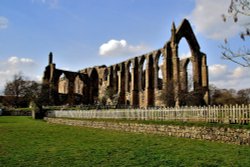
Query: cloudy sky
x,y
84,33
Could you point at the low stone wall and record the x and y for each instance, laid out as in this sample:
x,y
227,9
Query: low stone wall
x,y
16,113
226,135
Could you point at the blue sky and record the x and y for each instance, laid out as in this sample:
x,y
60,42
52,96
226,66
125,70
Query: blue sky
x,y
84,33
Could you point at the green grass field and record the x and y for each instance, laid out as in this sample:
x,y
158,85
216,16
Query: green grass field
x,y
27,142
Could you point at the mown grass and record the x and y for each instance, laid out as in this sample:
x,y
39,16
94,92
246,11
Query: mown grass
x,y
27,142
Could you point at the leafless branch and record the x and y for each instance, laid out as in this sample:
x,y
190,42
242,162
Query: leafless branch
x,y
242,57
239,7
236,9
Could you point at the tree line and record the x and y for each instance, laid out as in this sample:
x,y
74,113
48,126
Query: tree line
x,y
229,96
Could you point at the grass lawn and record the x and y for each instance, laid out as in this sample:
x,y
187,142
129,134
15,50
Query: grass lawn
x,y
27,142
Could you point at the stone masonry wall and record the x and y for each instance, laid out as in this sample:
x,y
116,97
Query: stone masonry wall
x,y
139,76
225,135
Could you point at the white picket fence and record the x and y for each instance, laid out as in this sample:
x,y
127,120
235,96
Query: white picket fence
x,y
224,114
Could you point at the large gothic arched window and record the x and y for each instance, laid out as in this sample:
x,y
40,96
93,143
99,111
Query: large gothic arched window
x,y
78,85
63,85
185,52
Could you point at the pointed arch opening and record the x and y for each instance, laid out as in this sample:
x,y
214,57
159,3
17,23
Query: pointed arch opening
x,y
143,64
116,78
129,76
78,85
185,52
160,74
150,72
63,84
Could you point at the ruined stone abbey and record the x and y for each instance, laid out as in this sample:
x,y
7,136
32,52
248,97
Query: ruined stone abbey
x,y
142,81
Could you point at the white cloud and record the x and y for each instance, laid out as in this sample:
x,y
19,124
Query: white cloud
x,y
240,72
50,3
120,48
16,60
185,55
3,22
217,70
223,77
14,65
206,17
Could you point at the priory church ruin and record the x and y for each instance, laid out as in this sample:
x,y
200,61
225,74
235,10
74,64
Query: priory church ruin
x,y
139,82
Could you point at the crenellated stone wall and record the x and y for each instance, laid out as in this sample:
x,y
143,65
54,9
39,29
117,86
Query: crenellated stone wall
x,y
219,134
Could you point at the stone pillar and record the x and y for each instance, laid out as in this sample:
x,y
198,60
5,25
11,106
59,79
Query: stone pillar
x,y
176,74
175,66
115,80
204,72
134,84
184,83
54,95
196,61
119,81
184,79
50,58
127,74
140,73
156,71
71,89
53,84
110,76
149,87
158,89
121,84
205,81
167,65
52,71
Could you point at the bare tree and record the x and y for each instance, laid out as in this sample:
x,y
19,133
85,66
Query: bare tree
x,y
21,89
223,96
244,96
15,88
229,96
238,9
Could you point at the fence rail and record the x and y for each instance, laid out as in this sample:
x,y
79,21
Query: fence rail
x,y
239,114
